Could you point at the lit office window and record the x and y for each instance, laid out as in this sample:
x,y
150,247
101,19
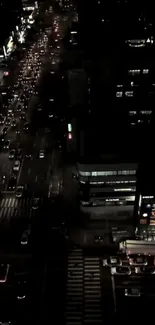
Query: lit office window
x,y
126,172
131,113
104,173
94,173
84,173
145,71
146,112
124,189
129,93
119,94
132,172
134,72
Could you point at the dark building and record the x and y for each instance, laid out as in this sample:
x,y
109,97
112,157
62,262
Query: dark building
x,y
117,116
121,87
10,12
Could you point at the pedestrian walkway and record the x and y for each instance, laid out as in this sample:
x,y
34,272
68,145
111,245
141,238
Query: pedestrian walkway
x,y
74,294
14,208
92,291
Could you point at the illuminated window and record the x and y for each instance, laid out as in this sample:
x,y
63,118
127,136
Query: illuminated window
x,y
70,136
145,71
123,189
129,93
134,72
146,112
119,93
69,127
131,113
104,173
119,86
136,42
84,173
126,172
110,173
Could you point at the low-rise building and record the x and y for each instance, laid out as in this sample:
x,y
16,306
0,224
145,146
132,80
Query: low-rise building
x,y
108,189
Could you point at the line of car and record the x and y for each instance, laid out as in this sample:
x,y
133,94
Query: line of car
x,y
28,85
127,265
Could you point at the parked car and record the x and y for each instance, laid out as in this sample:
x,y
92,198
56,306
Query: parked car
x,y
132,292
2,119
28,155
18,154
21,280
5,130
121,270
25,236
145,270
12,154
112,261
35,203
16,166
12,184
26,127
6,144
19,191
8,122
41,154
4,270
138,260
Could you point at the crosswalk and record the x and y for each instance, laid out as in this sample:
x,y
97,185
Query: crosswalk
x,y
13,208
83,292
74,294
92,291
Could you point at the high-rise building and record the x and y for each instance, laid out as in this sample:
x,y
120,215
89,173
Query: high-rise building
x,y
119,116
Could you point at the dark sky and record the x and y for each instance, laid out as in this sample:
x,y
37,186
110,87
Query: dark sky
x,y
9,13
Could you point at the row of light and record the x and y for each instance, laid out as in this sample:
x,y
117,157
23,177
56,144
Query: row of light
x,y
69,131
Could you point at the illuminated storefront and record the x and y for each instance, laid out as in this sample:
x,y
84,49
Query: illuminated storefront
x,y
9,47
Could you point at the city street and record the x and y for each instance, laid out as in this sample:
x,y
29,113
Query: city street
x,y
33,178
34,173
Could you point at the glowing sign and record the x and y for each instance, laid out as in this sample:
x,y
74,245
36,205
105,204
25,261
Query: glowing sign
x,y
9,46
4,50
29,8
69,127
36,4
70,136
21,38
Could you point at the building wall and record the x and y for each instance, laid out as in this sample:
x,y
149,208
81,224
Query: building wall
x,y
77,83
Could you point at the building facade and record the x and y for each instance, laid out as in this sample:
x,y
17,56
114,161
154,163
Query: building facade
x,y
107,190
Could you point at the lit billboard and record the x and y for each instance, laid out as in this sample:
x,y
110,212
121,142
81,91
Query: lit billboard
x,y
9,46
